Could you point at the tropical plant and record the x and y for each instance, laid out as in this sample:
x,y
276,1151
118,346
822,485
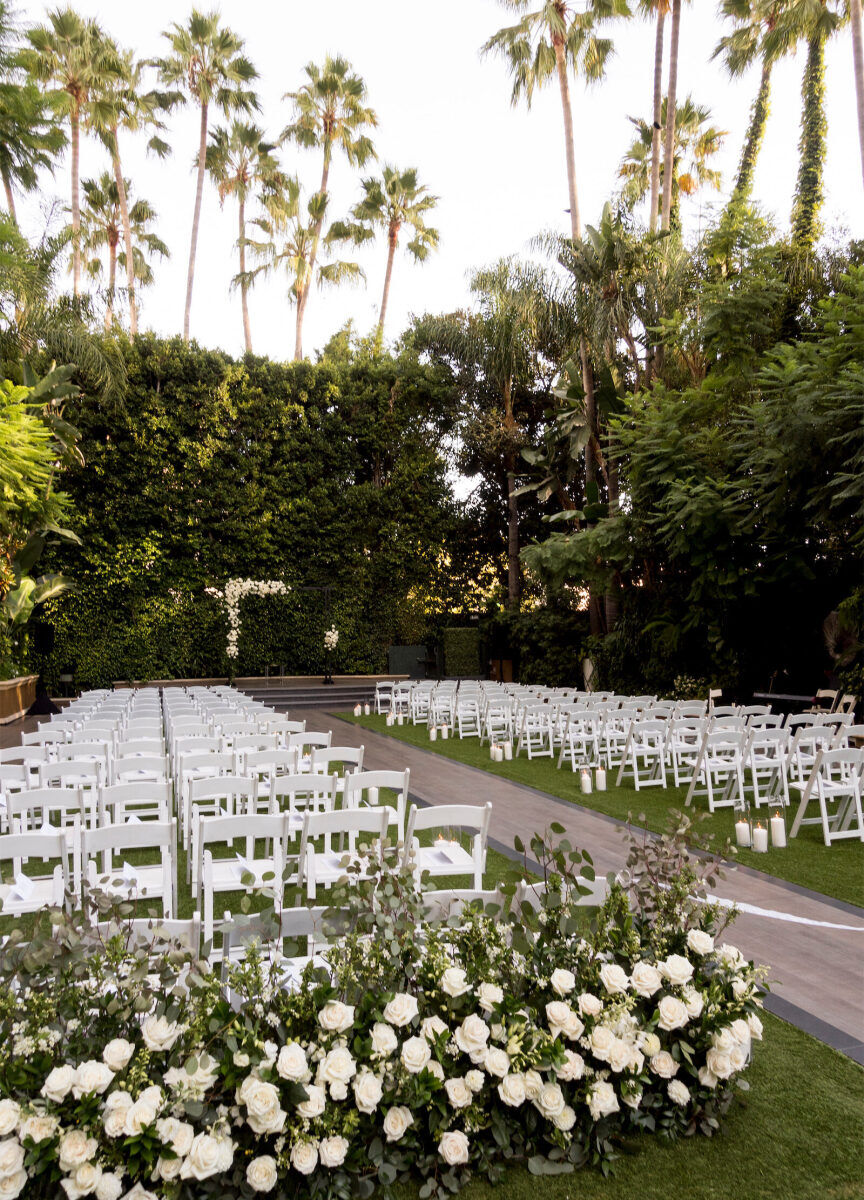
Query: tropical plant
x,y
293,242
207,64
330,113
241,164
394,200
102,227
72,58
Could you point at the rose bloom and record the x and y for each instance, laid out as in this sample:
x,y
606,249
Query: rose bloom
x,y
117,1054
694,1002
565,1120
339,1065
314,1104
143,1112
614,978
83,1182
333,1150
511,1089
454,982
672,1013
384,1040
9,1114
738,1058
159,1033
497,1062
663,1064
459,1094
435,1068
396,1122
401,1010
699,943
562,981
557,1014
12,1156
723,1039
677,969
731,957
169,1168
602,1039
453,1148
589,1005
261,1174
367,1092
574,1067
109,1187
11,1186
264,1113
602,1101
550,1102
415,1054
707,1078
91,1077
475,1080
755,1027
488,995
38,1127
646,980
304,1157
533,1084
472,1036
179,1135
336,1017
75,1148
207,1156
740,1031
58,1084
679,1093
632,1099
620,1055
291,1063
432,1027
114,1117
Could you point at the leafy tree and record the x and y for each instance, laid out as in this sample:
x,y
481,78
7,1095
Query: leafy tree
x,y
207,63
394,200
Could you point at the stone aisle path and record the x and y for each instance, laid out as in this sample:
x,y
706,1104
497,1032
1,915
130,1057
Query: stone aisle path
x,y
817,972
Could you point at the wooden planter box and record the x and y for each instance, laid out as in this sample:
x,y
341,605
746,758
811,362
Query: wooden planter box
x,y
16,696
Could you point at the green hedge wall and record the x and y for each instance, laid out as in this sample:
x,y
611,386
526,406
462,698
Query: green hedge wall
x,y
462,652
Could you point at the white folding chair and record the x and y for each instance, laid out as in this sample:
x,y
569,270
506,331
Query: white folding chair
x,y
141,767
142,800
25,891
447,855
767,760
468,717
535,734
322,868
223,795
683,742
645,749
305,743
271,933
824,701
155,933
835,780
89,773
339,760
141,881
244,872
719,768
364,787
383,697
296,794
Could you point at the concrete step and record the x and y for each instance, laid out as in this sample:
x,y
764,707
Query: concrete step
x,y
336,697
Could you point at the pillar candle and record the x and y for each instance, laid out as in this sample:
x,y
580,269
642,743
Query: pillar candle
x,y
445,732
586,781
433,734
400,719
508,750
778,831
373,797
389,718
600,779
742,833
357,710
367,709
760,840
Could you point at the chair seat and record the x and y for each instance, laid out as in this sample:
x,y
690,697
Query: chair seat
x,y
444,858
30,895
227,874
144,882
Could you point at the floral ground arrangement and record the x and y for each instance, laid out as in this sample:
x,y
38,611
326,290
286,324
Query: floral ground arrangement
x,y
427,1050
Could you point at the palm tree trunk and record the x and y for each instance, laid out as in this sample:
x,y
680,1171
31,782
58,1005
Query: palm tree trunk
x,y
112,283
809,186
193,241
393,238
658,113
313,255
753,141
244,287
127,234
513,576
10,198
669,148
76,208
569,149
298,326
858,65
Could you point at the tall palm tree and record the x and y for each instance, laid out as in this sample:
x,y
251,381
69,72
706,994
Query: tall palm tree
x,y
330,113
293,242
102,227
122,103
72,57
659,9
858,68
671,105
30,139
389,202
240,162
206,62
696,142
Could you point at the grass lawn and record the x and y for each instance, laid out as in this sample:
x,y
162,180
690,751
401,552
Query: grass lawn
x,y
836,870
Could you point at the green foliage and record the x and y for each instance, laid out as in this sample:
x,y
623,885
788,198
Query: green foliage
x,y
547,644
462,652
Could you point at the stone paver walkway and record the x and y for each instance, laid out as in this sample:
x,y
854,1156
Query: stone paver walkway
x,y
817,973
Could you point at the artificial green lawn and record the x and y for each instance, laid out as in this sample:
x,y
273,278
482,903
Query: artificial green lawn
x,y
836,870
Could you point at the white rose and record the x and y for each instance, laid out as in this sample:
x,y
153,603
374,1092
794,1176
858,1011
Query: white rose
x,y
738,1058
270,1052
614,978
291,1062
601,1040
264,1113
700,943
589,1005
11,1186
511,1089
459,1094
677,969
663,1064
454,982
179,1135
169,1168
672,1013
304,1157
602,1101
396,1122
488,995
646,979
198,1083
314,1104
433,1027
83,1181
723,1039
91,1077
9,1115
562,981
415,1054
740,988
339,1065
565,1120
453,1148
384,1040
336,1017
401,1010
38,1127
694,1002
435,1068
574,1067
12,1156
261,1174
58,1084
707,1078
550,1101
114,1117
367,1091
475,1080
632,1099
140,1114
75,1148
558,1013
497,1062
740,1031
731,957
159,1033
109,1186
620,1055
207,1156
649,1043
117,1054
755,1027
679,1093
333,1151
472,1036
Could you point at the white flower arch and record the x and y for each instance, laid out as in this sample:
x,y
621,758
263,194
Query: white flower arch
x,y
235,591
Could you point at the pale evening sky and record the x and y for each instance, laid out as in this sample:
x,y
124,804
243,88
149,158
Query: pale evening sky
x,y
499,171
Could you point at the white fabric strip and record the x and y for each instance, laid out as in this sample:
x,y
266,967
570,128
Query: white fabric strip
x,y
774,915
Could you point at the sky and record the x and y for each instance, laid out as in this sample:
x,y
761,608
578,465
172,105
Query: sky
x,y
499,172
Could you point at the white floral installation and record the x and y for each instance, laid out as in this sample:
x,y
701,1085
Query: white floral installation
x,y
235,591
331,639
